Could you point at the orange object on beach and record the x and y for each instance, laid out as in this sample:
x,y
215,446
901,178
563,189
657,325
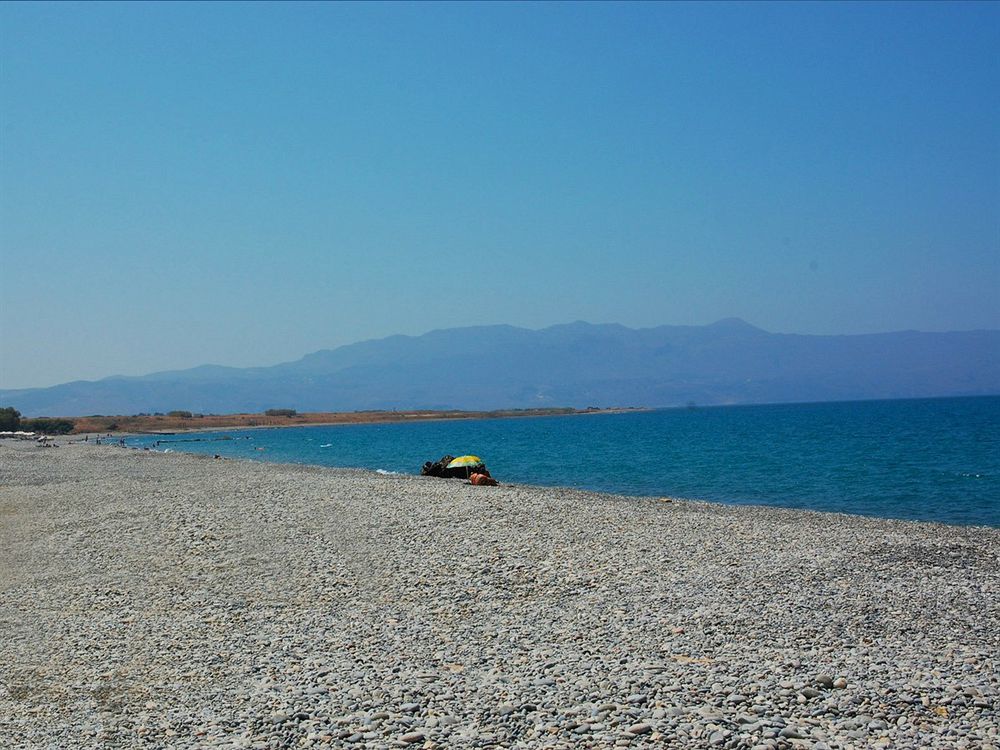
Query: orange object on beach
x,y
483,479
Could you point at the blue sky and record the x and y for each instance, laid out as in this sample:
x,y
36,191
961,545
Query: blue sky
x,y
243,184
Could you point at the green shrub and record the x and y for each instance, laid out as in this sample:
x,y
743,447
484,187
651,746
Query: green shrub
x,y
180,413
280,413
10,418
47,425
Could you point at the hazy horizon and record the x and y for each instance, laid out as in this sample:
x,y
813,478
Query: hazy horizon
x,y
294,358
243,184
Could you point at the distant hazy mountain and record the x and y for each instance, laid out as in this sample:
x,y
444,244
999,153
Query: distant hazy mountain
x,y
577,364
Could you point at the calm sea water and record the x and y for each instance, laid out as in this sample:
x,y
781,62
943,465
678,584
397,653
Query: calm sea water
x,y
934,459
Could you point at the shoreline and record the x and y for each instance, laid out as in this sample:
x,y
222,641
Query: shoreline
x,y
172,599
607,496
539,487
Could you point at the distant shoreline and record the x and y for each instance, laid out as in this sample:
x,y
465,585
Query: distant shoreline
x,y
165,424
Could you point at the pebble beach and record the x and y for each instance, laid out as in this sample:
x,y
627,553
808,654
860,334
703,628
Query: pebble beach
x,y
153,600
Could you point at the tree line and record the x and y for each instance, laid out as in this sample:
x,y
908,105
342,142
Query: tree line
x,y
11,420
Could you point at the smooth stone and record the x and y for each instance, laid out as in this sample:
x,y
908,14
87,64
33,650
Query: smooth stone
x,y
639,729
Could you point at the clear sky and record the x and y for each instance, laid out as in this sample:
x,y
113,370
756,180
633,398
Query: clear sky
x,y
184,184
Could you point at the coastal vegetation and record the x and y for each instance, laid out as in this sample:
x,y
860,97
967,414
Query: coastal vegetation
x,y
181,420
48,425
11,420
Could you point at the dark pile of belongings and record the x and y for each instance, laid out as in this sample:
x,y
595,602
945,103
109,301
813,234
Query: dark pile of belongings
x,y
440,469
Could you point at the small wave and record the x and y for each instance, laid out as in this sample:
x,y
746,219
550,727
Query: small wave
x,y
384,472
326,445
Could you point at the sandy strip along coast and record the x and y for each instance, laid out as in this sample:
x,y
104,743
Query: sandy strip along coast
x,y
151,600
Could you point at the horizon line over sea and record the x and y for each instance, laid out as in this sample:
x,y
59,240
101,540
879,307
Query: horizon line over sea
x,y
921,459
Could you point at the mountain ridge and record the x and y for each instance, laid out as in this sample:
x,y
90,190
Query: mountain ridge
x,y
575,364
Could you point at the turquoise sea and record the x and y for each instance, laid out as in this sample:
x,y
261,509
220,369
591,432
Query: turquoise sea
x,y
927,459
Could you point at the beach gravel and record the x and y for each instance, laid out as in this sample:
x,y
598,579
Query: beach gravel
x,y
150,600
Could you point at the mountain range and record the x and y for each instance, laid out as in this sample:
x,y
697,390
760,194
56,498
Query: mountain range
x,y
576,364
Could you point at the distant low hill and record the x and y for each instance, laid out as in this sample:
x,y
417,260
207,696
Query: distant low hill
x,y
573,365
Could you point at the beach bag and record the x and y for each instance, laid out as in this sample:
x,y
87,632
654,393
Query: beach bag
x,y
438,468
